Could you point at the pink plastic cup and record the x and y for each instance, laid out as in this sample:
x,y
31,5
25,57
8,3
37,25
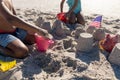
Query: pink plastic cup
x,y
42,43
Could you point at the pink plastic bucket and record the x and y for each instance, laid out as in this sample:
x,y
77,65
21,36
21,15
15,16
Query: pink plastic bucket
x,y
42,43
61,16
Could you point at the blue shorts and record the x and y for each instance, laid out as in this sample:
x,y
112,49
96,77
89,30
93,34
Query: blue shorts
x,y
7,38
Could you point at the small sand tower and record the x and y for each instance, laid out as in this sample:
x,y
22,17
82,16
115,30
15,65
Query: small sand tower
x,y
85,42
115,55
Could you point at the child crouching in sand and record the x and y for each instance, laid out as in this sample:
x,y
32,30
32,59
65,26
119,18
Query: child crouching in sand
x,y
73,15
14,31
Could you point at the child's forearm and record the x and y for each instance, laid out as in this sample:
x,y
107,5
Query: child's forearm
x,y
61,5
74,6
27,26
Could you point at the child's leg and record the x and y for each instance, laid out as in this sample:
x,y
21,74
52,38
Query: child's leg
x,y
72,18
13,47
80,18
18,49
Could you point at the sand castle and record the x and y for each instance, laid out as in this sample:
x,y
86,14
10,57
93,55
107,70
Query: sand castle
x,y
114,56
85,42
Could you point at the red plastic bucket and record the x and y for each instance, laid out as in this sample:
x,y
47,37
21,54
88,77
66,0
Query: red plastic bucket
x,y
62,17
109,43
42,43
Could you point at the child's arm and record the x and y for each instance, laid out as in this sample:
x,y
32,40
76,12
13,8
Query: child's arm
x,y
16,21
14,12
73,7
61,5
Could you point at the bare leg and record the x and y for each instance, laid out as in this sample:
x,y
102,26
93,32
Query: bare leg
x,y
80,18
15,49
72,18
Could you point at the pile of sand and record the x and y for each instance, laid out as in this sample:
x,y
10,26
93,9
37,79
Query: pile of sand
x,y
62,62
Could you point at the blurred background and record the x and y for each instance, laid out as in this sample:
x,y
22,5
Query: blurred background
x,y
109,8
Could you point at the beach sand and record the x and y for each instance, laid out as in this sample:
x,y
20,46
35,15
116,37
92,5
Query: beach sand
x,y
62,61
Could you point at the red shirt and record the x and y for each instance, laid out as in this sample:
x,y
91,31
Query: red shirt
x,y
2,31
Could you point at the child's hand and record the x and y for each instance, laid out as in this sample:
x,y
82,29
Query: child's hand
x,y
48,36
45,34
67,15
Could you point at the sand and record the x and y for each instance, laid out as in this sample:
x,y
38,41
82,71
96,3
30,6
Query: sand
x,y
62,61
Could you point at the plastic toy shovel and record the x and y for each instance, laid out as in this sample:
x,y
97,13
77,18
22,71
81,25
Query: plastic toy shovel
x,y
42,43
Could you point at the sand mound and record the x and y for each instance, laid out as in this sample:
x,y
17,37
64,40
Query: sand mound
x,y
62,62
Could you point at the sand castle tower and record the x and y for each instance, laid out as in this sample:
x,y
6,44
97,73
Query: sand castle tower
x,y
115,55
39,21
58,28
118,33
78,31
46,26
84,42
90,30
99,34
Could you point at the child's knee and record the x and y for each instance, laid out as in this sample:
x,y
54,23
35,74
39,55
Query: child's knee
x,y
21,53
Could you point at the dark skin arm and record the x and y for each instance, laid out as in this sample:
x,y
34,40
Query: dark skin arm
x,y
16,21
61,5
71,10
